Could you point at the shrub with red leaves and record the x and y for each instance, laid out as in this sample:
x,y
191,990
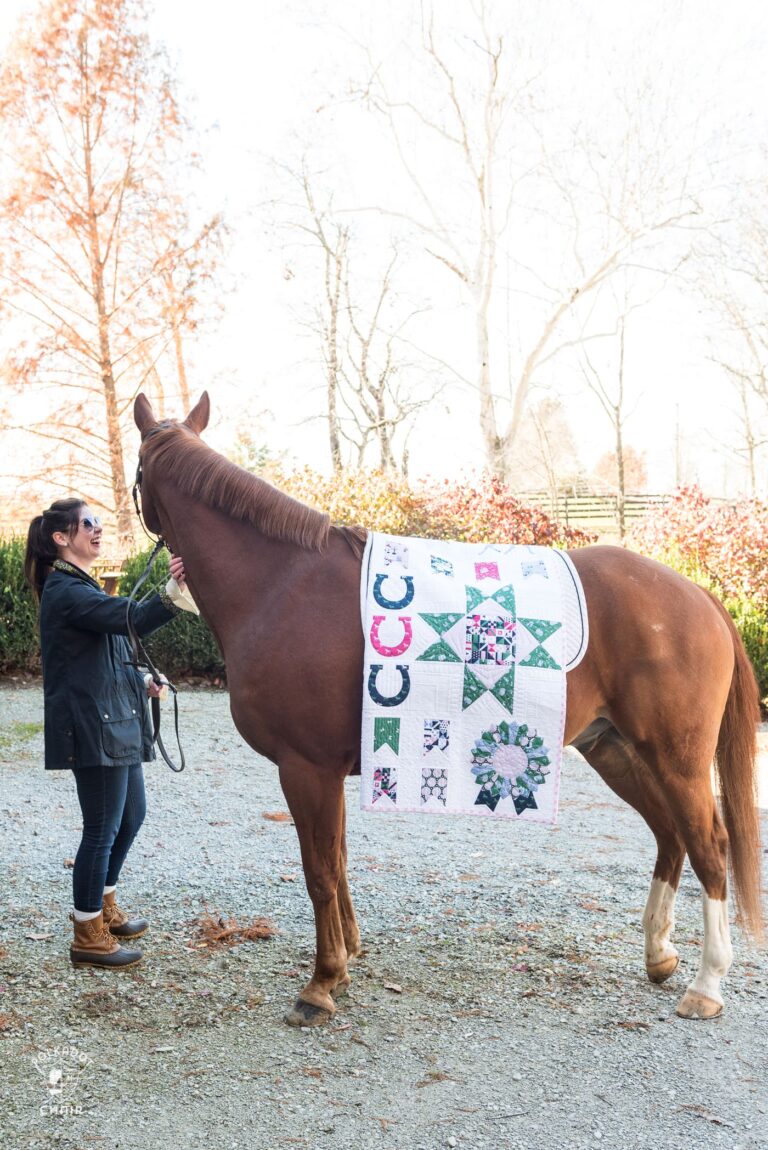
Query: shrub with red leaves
x,y
477,510
485,511
724,546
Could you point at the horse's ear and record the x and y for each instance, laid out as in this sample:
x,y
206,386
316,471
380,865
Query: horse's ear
x,y
200,414
143,414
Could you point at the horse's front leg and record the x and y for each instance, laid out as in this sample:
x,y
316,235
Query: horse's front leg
x,y
346,910
316,801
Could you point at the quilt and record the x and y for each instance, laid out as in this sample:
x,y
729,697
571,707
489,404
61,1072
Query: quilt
x,y
466,652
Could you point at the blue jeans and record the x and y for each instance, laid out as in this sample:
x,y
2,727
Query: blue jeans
x,y
114,805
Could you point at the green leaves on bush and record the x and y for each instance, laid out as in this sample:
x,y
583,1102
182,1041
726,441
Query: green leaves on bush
x,y
752,624
19,640
186,646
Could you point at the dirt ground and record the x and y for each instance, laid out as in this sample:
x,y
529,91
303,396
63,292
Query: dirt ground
x,y
501,1000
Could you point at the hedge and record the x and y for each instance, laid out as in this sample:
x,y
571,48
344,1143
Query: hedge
x,y
19,640
185,646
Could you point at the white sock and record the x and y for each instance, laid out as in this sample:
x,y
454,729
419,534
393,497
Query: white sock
x,y
86,915
109,889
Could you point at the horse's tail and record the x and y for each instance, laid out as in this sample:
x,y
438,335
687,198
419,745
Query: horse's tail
x,y
736,765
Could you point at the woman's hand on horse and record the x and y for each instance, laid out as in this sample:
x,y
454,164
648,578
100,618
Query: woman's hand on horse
x,y
177,571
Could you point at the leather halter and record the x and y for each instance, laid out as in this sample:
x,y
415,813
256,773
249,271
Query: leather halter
x,y
141,660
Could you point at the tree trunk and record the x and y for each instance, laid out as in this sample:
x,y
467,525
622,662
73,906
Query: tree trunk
x,y
178,347
619,419
334,296
383,433
495,455
620,499
749,437
125,538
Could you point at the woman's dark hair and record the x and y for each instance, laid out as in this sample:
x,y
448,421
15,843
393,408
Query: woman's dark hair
x,y
64,516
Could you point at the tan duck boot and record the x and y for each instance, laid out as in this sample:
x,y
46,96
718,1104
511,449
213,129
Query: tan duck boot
x,y
117,922
95,946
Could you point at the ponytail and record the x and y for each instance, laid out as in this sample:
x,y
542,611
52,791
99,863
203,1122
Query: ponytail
x,y
64,516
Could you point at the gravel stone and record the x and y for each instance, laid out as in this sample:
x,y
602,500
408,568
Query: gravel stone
x,y
525,1019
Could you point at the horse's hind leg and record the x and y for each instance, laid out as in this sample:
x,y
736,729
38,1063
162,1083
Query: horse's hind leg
x,y
680,754
316,800
706,841
620,766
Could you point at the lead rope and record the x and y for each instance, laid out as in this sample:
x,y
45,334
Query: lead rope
x,y
141,660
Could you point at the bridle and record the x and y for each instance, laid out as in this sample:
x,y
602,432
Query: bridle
x,y
141,660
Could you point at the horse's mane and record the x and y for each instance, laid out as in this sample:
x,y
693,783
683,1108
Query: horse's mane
x,y
201,472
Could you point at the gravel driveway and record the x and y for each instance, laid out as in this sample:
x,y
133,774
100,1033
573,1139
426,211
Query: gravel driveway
x,y
518,1013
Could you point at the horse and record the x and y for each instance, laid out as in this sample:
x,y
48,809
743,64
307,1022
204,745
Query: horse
x,y
665,688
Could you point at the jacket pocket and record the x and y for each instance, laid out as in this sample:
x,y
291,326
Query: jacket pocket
x,y
121,738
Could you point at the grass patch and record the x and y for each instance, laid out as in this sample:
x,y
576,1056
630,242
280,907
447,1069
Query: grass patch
x,y
16,733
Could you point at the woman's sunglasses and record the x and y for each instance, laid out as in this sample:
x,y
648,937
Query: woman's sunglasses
x,y
90,524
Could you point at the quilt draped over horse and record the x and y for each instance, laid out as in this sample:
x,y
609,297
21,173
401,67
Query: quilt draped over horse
x,y
464,693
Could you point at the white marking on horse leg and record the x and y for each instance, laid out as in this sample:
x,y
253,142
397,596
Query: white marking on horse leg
x,y
717,953
702,999
659,920
658,924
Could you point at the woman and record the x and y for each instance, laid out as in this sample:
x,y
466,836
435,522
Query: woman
x,y
96,715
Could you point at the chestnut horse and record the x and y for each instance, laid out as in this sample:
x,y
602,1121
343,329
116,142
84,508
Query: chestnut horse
x,y
665,687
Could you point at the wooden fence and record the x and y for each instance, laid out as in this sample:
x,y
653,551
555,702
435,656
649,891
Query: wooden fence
x,y
598,513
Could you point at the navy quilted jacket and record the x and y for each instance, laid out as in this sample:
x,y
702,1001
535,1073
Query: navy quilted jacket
x,y
96,709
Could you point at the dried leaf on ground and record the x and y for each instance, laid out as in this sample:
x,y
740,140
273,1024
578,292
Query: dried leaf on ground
x,y
277,816
434,1076
214,930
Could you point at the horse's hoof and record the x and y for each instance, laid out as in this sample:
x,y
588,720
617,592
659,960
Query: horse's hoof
x,y
307,1014
693,1004
341,988
661,971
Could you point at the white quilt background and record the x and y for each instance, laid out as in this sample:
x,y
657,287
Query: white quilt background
x,y
404,769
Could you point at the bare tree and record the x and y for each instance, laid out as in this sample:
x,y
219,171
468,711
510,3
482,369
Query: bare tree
x,y
92,132
612,401
749,422
732,279
383,391
547,447
607,205
186,264
373,387
332,238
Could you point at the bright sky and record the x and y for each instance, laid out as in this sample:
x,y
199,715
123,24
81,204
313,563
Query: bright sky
x,y
267,80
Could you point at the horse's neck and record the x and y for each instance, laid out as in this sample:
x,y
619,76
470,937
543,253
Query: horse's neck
x,y
228,563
